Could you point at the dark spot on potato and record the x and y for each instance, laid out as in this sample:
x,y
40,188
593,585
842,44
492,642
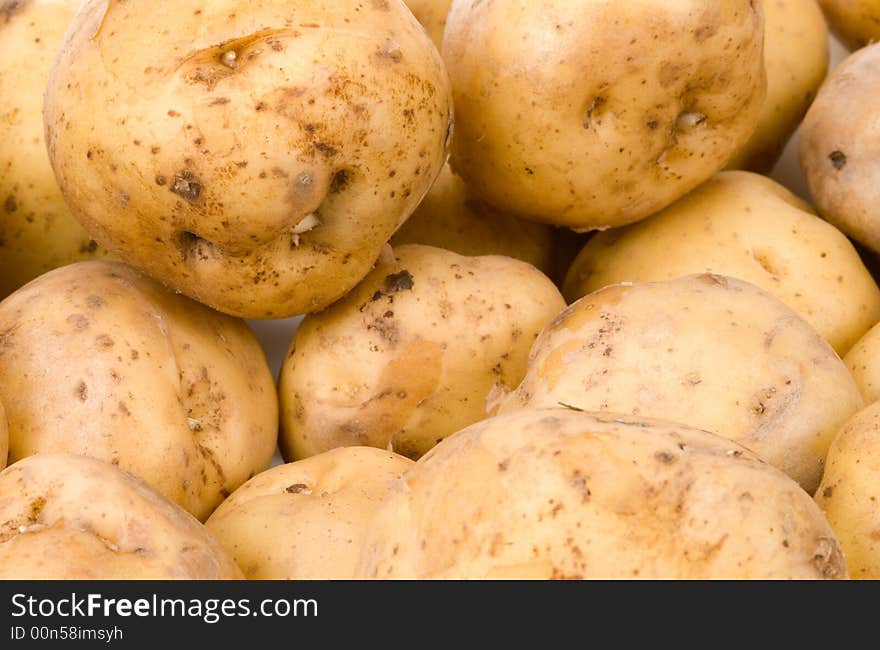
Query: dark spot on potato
x,y
390,52
570,407
827,492
340,181
104,341
187,186
95,302
326,149
82,391
593,110
402,281
838,159
664,457
161,180
297,488
11,205
89,247
78,321
36,508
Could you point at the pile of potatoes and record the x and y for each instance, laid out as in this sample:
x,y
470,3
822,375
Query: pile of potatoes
x,y
558,320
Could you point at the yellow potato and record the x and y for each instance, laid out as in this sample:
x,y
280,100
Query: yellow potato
x,y
420,349
432,15
840,148
863,361
556,494
746,226
257,159
796,54
67,517
598,114
306,520
708,351
449,218
849,489
37,231
855,22
98,360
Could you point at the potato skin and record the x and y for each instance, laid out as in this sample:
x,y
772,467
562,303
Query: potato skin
x,y
855,22
4,437
432,14
265,186
708,351
840,148
450,218
863,361
598,114
37,231
419,350
306,520
551,493
796,55
67,517
749,227
141,377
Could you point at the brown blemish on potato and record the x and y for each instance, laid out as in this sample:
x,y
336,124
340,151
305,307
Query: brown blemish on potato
x,y
298,488
11,204
594,111
82,391
187,186
35,509
838,159
828,559
78,321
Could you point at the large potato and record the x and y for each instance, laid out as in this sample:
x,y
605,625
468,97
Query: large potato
x,y
257,159
840,148
98,360
556,494
796,53
849,489
863,361
307,520
856,22
708,351
67,517
37,231
449,218
432,15
746,226
417,351
597,114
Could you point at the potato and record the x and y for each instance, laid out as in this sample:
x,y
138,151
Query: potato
x,y
849,488
796,54
708,351
840,148
67,517
550,493
598,114
306,520
417,351
256,160
37,231
863,361
100,361
4,437
449,218
432,15
855,22
746,226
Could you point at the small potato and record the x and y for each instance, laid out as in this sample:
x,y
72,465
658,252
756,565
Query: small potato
x,y
68,517
420,349
749,227
432,14
550,493
796,54
597,114
307,520
98,360
863,361
449,218
708,351
37,231
840,148
855,22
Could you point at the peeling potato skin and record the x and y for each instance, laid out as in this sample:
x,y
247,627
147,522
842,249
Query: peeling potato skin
x,y
598,114
449,218
432,15
855,22
796,55
306,520
198,171
840,148
708,351
420,349
557,494
141,378
745,226
37,231
68,517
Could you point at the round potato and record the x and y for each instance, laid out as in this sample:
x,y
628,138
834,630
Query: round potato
x,y
257,160
552,493
100,361
749,227
67,517
432,14
840,148
855,22
708,351
598,114
449,218
307,520
848,492
796,54
37,231
863,361
420,349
